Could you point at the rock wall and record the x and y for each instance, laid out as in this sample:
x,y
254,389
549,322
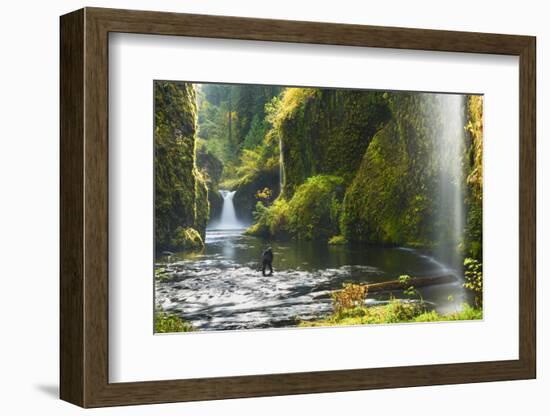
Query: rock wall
x,y
181,195
326,131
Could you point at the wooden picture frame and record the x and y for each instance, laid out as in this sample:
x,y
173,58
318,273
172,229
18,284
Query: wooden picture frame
x,y
84,207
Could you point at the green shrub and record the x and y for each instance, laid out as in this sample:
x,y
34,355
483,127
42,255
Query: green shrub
x,y
468,313
473,276
395,311
312,212
314,209
168,322
270,221
337,240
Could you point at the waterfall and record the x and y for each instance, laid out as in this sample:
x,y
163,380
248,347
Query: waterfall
x,y
228,218
449,150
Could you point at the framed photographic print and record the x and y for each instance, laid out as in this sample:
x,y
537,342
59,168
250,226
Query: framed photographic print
x,y
261,207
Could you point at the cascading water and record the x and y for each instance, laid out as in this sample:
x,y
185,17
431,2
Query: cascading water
x,y
228,219
449,150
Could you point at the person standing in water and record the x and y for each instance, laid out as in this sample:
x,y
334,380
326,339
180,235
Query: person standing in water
x,y
267,260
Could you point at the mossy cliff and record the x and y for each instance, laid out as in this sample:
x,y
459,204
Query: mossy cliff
x,y
393,197
367,167
181,195
474,175
211,169
326,131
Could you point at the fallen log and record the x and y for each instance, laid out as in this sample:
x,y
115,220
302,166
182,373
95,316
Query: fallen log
x,y
413,281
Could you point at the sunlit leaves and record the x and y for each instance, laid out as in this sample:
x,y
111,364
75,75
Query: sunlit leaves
x,y
473,275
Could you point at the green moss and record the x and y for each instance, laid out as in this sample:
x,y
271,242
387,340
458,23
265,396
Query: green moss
x,y
181,195
167,322
376,207
326,131
394,312
187,239
312,212
314,209
337,240
271,221
393,198
467,313
474,172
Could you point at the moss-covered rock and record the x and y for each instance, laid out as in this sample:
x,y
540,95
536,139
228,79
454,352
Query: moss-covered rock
x,y
326,131
181,195
474,174
374,201
312,213
393,198
338,240
187,239
314,209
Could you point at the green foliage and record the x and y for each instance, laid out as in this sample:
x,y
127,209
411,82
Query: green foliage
x,y
314,209
187,239
473,276
233,117
337,240
161,274
258,170
167,322
349,297
264,195
474,173
395,311
312,212
272,220
410,290
349,309
467,313
256,134
181,196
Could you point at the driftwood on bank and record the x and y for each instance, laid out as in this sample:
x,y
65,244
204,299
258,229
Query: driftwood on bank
x,y
413,281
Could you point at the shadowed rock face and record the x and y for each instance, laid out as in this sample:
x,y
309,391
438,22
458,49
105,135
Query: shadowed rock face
x,y
326,131
245,195
211,169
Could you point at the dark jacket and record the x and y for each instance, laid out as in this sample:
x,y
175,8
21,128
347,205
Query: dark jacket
x,y
267,255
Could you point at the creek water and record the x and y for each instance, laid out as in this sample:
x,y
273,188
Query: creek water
x,y
221,288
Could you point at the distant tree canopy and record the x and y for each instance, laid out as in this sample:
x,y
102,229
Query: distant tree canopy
x,y
232,117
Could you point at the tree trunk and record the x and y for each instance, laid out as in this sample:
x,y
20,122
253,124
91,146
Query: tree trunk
x,y
413,281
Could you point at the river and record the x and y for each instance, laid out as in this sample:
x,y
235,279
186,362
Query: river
x,y
221,288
